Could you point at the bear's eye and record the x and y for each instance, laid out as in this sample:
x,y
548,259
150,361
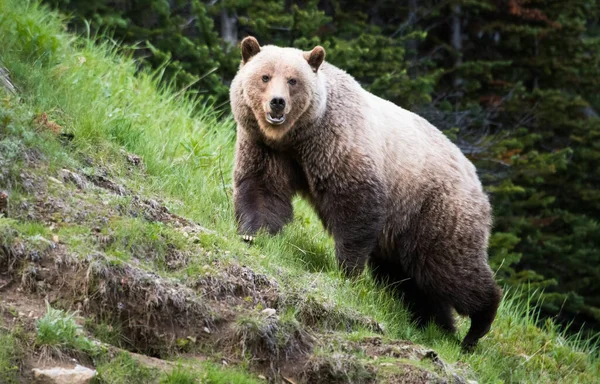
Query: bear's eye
x,y
292,81
265,78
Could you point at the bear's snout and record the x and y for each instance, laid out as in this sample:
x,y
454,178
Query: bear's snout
x,y
277,104
276,110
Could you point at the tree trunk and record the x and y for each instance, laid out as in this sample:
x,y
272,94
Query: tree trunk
x,y
456,40
412,44
228,27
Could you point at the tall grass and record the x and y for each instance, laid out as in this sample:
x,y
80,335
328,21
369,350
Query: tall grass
x,y
99,96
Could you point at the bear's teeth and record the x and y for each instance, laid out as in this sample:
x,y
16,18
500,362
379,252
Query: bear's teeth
x,y
275,119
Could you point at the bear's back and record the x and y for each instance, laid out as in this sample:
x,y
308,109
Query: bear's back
x,y
404,145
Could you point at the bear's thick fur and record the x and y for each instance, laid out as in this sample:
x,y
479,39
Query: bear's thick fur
x,y
391,189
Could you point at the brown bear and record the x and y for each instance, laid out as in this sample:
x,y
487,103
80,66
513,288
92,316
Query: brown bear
x,y
390,188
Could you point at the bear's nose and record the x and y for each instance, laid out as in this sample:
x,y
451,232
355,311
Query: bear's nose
x,y
277,104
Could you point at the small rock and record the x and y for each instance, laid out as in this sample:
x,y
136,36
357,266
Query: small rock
x,y
269,312
435,359
134,159
77,375
54,180
4,282
461,380
73,177
6,82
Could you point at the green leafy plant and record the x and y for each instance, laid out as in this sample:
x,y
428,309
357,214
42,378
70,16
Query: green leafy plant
x,y
58,331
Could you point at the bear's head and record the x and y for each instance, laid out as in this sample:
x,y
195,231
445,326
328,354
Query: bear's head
x,y
280,86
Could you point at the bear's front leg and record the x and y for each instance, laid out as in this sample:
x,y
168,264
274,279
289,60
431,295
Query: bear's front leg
x,y
264,184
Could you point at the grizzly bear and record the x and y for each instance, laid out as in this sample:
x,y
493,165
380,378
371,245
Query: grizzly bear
x,y
390,188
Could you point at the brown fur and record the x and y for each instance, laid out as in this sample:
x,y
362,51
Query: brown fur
x,y
392,190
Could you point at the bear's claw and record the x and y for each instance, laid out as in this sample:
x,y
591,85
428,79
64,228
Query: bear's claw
x,y
248,238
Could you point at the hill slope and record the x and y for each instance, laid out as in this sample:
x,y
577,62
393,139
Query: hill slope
x,y
117,205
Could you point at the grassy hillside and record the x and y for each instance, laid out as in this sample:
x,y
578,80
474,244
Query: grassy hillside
x,y
119,208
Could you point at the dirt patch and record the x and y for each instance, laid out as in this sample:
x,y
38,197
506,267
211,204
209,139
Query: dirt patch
x,y
237,285
154,211
16,304
375,347
411,374
403,360
75,178
43,122
53,202
150,209
323,314
370,360
156,312
105,183
337,368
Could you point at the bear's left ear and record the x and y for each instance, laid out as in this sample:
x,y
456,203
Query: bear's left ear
x,y
250,47
315,57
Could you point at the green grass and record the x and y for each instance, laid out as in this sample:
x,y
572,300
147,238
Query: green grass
x,y
9,356
215,374
187,149
106,332
124,369
180,375
140,239
206,373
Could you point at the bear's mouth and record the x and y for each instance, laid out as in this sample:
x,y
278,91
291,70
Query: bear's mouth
x,y
275,119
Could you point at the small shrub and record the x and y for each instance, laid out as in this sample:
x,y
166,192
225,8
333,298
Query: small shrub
x,y
58,331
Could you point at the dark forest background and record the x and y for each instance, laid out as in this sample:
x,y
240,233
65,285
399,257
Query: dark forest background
x,y
514,83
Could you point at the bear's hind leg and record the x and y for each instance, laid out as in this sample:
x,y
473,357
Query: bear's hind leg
x,y
423,307
426,308
442,315
482,319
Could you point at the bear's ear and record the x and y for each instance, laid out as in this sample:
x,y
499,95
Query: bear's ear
x,y
250,47
315,57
